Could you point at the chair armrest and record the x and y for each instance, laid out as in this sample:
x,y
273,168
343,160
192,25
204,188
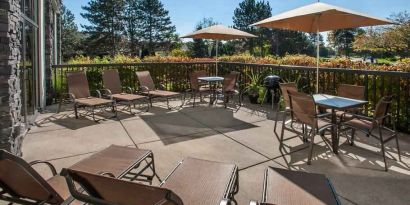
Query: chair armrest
x,y
129,90
69,95
144,89
162,86
324,115
253,202
107,174
106,92
363,117
224,202
49,165
98,93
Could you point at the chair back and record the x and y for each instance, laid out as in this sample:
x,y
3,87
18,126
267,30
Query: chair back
x,y
78,84
351,91
284,87
303,108
193,79
229,83
111,81
19,179
108,190
145,79
382,108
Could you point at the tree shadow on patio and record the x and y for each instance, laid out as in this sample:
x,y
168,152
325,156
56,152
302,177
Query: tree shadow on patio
x,y
171,124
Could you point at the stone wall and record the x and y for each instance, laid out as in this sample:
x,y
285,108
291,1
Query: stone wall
x,y
11,122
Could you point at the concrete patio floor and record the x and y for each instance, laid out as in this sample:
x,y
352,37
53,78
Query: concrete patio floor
x,y
245,138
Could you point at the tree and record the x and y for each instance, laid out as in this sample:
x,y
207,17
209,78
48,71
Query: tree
x,y
342,39
131,18
107,26
201,48
154,26
249,12
71,38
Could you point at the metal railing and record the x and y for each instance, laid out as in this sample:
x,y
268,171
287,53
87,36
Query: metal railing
x,y
175,77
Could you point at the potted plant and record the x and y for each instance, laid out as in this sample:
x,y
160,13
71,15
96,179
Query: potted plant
x,y
254,89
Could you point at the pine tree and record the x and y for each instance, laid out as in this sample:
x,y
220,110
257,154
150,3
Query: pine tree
x,y
154,25
71,38
107,25
342,40
131,23
249,12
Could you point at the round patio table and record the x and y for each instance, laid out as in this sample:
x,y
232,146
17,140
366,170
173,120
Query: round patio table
x,y
213,82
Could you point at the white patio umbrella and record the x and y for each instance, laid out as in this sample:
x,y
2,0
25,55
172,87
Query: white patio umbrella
x,y
319,17
219,32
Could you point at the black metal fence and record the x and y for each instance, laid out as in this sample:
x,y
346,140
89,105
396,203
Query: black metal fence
x,y
175,77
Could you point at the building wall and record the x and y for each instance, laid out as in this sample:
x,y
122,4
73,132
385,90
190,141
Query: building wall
x,y
12,126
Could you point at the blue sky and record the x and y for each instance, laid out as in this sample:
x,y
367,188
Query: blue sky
x,y
186,13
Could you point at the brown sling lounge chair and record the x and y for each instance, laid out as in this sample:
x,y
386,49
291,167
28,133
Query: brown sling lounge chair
x,y
192,182
287,187
20,183
114,91
148,88
79,92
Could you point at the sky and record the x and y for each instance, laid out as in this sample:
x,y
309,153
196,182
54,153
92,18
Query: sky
x,y
185,14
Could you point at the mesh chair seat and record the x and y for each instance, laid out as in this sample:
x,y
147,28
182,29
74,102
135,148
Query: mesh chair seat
x,y
161,93
201,182
93,101
127,97
60,186
360,124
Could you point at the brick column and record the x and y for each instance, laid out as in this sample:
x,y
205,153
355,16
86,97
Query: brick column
x,y
11,122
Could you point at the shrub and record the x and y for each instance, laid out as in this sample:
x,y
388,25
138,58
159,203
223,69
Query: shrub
x,y
179,53
104,60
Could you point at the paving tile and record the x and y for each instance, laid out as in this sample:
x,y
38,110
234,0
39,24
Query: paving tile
x,y
65,142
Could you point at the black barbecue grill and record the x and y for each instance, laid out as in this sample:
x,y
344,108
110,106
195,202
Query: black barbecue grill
x,y
271,84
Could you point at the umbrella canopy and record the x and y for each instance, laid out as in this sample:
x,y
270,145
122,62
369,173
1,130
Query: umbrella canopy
x,y
319,17
219,32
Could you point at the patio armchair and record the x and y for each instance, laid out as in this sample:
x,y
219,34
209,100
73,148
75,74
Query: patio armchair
x,y
192,182
374,126
353,92
288,187
303,111
196,87
148,88
79,93
230,88
113,90
20,183
284,87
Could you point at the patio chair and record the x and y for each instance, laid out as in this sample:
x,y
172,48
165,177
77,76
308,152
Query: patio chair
x,y
284,87
147,87
114,91
196,87
79,93
303,111
230,88
20,183
192,182
370,125
354,92
288,187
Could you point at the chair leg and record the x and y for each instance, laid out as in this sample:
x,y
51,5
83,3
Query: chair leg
x,y
194,96
382,149
352,137
93,114
398,147
282,132
312,141
276,118
76,111
168,104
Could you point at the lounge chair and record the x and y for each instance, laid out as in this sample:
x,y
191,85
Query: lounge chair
x,y
303,111
20,183
148,88
113,89
287,187
196,87
284,87
79,93
230,88
192,182
374,126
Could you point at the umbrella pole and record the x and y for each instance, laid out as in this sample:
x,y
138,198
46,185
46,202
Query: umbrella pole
x,y
317,53
216,62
